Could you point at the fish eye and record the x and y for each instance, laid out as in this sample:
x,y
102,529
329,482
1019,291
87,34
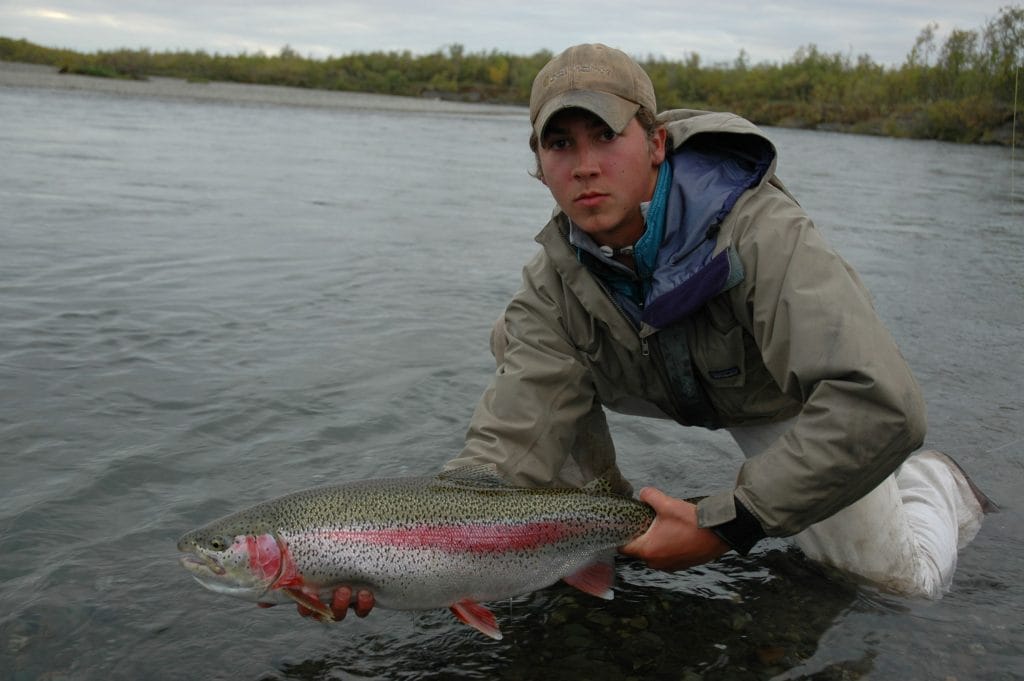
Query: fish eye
x,y
219,543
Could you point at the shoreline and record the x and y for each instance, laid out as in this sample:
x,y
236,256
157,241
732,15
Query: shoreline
x,y
42,76
18,74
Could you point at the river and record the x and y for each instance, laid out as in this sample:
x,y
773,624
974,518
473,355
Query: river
x,y
211,295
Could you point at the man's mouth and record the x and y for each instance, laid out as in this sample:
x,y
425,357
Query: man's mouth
x,y
589,198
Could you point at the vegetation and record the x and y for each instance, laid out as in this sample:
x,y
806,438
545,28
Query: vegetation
x,y
965,90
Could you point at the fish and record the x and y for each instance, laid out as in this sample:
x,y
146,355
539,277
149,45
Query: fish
x,y
457,539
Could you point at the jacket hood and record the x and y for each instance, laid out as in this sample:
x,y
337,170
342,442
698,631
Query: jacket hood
x,y
717,159
685,124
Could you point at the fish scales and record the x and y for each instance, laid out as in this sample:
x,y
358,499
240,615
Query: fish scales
x,y
417,543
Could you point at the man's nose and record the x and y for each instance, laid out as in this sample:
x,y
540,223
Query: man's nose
x,y
586,161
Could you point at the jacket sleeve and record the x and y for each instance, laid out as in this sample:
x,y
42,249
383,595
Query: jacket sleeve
x,y
825,346
525,422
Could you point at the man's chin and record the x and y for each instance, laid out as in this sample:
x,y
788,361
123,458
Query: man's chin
x,y
606,231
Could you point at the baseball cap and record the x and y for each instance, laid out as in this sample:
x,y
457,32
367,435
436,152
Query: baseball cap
x,y
595,77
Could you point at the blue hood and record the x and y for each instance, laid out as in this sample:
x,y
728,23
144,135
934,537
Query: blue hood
x,y
710,173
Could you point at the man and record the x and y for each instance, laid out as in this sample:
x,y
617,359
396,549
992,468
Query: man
x,y
679,279
685,282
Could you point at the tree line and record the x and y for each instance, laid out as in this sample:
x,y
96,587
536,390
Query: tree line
x,y
965,89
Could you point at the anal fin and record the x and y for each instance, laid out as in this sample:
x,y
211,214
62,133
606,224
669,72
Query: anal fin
x,y
478,617
595,579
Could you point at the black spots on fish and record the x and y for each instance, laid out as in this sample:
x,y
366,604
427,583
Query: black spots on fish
x,y
340,534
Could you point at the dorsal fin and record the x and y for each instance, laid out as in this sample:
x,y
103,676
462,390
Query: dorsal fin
x,y
599,486
482,476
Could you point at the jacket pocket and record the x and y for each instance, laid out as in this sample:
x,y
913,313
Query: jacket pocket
x,y
720,357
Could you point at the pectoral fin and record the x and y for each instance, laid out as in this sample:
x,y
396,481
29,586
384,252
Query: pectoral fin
x,y
478,617
310,600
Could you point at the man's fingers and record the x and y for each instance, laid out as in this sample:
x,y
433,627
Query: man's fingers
x,y
339,602
364,603
652,497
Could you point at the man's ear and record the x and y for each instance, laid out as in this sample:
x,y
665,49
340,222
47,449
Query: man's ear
x,y
658,145
540,173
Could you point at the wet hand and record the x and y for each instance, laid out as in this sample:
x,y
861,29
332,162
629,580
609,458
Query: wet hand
x,y
341,601
673,541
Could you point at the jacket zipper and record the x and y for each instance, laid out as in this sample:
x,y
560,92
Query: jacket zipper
x,y
646,352
659,367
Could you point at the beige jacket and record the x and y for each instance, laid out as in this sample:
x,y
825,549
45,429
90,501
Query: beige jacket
x,y
797,336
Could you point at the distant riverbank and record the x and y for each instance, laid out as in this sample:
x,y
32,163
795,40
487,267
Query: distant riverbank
x,y
14,74
966,90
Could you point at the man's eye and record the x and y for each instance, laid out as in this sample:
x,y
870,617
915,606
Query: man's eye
x,y
557,143
608,134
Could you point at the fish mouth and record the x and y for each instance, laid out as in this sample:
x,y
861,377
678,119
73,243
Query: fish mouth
x,y
201,565
211,575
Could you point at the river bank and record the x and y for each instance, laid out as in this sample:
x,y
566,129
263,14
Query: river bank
x,y
16,74
906,123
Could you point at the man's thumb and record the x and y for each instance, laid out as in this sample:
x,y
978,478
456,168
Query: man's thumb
x,y
654,497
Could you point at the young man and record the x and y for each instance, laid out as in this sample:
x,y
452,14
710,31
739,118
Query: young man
x,y
680,280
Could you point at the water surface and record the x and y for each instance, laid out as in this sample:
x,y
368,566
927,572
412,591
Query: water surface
x,y
205,303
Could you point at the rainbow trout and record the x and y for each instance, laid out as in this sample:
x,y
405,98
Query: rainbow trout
x,y
454,540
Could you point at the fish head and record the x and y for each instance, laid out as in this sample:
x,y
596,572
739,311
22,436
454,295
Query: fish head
x,y
240,565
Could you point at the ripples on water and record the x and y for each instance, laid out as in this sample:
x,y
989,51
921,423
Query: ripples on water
x,y
206,304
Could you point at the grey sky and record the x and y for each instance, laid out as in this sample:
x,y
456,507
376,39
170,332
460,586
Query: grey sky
x,y
767,30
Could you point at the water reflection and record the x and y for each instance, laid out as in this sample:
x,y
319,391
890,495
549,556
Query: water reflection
x,y
763,619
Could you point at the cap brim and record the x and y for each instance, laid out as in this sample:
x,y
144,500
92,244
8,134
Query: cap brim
x,y
613,110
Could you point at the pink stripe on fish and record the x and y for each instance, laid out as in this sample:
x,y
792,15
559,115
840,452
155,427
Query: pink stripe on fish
x,y
480,538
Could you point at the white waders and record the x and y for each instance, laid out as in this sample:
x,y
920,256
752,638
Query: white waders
x,y
903,536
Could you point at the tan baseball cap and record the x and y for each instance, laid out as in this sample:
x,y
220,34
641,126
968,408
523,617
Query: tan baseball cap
x,y
595,77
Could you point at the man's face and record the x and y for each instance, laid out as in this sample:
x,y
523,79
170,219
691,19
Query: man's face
x,y
598,177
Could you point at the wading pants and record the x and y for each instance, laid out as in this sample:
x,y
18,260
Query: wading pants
x,y
903,536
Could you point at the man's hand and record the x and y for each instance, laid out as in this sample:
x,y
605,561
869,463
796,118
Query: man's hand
x,y
340,601
673,541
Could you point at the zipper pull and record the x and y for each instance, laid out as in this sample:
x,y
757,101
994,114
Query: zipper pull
x,y
645,348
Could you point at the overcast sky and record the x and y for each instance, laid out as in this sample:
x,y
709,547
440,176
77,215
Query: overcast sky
x,y
767,30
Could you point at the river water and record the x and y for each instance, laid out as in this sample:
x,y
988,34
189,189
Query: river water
x,y
209,301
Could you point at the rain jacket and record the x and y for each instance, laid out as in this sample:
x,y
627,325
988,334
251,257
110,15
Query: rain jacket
x,y
746,317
